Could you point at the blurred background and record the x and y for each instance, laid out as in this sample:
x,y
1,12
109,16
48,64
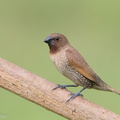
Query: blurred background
x,y
92,27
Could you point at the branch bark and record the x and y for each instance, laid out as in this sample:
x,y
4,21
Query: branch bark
x,y
38,90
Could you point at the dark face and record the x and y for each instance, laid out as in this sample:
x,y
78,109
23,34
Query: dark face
x,y
56,41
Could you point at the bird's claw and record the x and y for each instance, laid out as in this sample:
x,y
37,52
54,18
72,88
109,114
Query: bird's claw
x,y
59,86
73,96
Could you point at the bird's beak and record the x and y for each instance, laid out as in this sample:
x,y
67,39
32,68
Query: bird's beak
x,y
49,40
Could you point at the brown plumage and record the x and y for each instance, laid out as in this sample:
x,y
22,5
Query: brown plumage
x,y
71,64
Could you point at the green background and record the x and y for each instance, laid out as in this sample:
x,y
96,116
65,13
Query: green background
x,y
92,27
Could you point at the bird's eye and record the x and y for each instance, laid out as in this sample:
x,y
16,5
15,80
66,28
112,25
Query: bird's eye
x,y
57,38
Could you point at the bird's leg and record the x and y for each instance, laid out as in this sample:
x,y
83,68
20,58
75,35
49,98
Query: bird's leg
x,y
64,86
76,94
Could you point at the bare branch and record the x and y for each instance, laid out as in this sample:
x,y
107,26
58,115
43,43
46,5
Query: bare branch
x,y
38,90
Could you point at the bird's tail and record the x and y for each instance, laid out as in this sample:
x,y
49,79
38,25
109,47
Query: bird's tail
x,y
109,88
114,90
106,87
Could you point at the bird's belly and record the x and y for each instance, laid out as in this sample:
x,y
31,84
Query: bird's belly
x,y
61,63
77,77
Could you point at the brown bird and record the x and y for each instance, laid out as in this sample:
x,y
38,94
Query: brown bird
x,y
72,65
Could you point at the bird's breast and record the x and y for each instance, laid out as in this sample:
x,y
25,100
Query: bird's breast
x,y
60,61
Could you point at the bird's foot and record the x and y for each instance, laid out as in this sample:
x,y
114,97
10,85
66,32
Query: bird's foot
x,y
74,95
64,86
59,86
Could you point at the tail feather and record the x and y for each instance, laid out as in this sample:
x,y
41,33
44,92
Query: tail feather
x,y
106,87
114,90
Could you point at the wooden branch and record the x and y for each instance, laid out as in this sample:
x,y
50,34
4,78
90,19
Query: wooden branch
x,y
39,91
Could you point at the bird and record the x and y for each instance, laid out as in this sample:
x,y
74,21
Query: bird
x,y
69,62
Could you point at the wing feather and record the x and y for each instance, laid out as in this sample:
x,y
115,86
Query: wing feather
x,y
76,61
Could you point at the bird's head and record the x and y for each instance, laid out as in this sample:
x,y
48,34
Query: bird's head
x,y
56,42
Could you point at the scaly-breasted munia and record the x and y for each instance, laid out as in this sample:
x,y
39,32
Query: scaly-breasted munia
x,y
71,64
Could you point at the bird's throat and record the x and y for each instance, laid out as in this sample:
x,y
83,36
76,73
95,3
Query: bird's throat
x,y
53,49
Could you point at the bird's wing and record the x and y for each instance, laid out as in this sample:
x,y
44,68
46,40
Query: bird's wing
x,y
76,61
